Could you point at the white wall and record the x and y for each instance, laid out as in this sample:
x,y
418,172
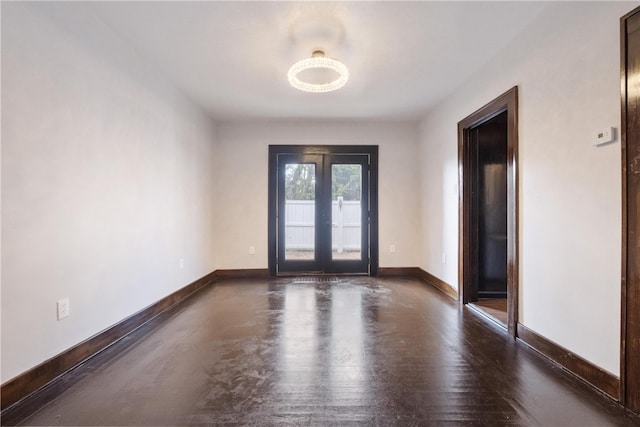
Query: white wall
x,y
242,150
106,183
109,179
566,65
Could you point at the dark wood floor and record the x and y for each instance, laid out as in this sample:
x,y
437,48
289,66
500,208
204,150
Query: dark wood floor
x,y
357,351
496,308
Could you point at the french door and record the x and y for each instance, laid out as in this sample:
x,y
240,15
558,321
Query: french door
x,y
320,210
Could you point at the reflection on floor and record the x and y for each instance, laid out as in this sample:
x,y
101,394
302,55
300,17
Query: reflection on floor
x,y
494,307
354,351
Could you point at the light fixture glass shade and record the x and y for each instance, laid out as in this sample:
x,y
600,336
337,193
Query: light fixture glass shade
x,y
317,61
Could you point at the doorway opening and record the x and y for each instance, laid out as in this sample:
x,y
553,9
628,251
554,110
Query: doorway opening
x,y
487,151
488,237
322,210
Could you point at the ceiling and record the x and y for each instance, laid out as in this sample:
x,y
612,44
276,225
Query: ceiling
x,y
232,58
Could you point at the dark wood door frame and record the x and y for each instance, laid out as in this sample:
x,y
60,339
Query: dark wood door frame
x,y
277,150
506,102
630,141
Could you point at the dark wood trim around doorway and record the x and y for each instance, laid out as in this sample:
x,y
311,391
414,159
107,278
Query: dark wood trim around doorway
x,y
630,148
506,102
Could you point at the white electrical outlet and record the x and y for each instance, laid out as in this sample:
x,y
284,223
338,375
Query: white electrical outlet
x,y
181,263
444,258
63,308
392,249
252,250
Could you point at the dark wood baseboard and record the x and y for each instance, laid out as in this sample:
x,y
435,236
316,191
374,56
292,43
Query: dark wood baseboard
x,y
583,369
19,388
247,273
420,274
438,283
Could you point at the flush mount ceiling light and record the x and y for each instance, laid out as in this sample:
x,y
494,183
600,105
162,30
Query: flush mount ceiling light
x,y
322,74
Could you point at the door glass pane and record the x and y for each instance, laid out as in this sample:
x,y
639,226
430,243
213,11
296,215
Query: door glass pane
x,y
346,212
300,211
